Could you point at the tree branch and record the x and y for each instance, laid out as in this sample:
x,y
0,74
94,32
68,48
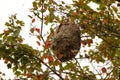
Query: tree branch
x,y
48,67
42,17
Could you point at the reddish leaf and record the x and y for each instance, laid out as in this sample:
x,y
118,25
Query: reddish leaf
x,y
93,18
28,75
66,77
20,40
43,10
38,30
101,13
57,62
40,77
86,56
118,5
43,56
50,58
83,42
104,70
33,20
5,60
75,13
38,43
5,30
89,42
109,58
105,21
47,44
46,18
59,56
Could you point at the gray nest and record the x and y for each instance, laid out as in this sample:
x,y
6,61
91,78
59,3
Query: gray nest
x,y
66,41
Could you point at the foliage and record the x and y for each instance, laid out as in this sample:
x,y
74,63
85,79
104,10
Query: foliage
x,y
104,23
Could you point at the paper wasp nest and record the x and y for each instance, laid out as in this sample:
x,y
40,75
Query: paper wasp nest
x,y
66,41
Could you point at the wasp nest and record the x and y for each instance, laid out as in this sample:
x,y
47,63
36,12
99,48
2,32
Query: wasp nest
x,y
66,41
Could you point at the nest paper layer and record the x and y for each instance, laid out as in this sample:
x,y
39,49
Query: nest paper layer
x,y
66,42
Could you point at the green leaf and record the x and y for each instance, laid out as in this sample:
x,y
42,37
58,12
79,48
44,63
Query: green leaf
x,y
7,24
17,73
20,22
32,30
17,31
35,4
4,37
15,69
51,9
30,16
63,2
1,35
115,8
68,7
10,38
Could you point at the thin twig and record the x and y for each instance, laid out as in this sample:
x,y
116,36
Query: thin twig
x,y
79,65
42,17
38,60
96,70
108,74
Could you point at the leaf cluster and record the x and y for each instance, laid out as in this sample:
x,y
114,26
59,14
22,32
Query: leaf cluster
x,y
104,23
